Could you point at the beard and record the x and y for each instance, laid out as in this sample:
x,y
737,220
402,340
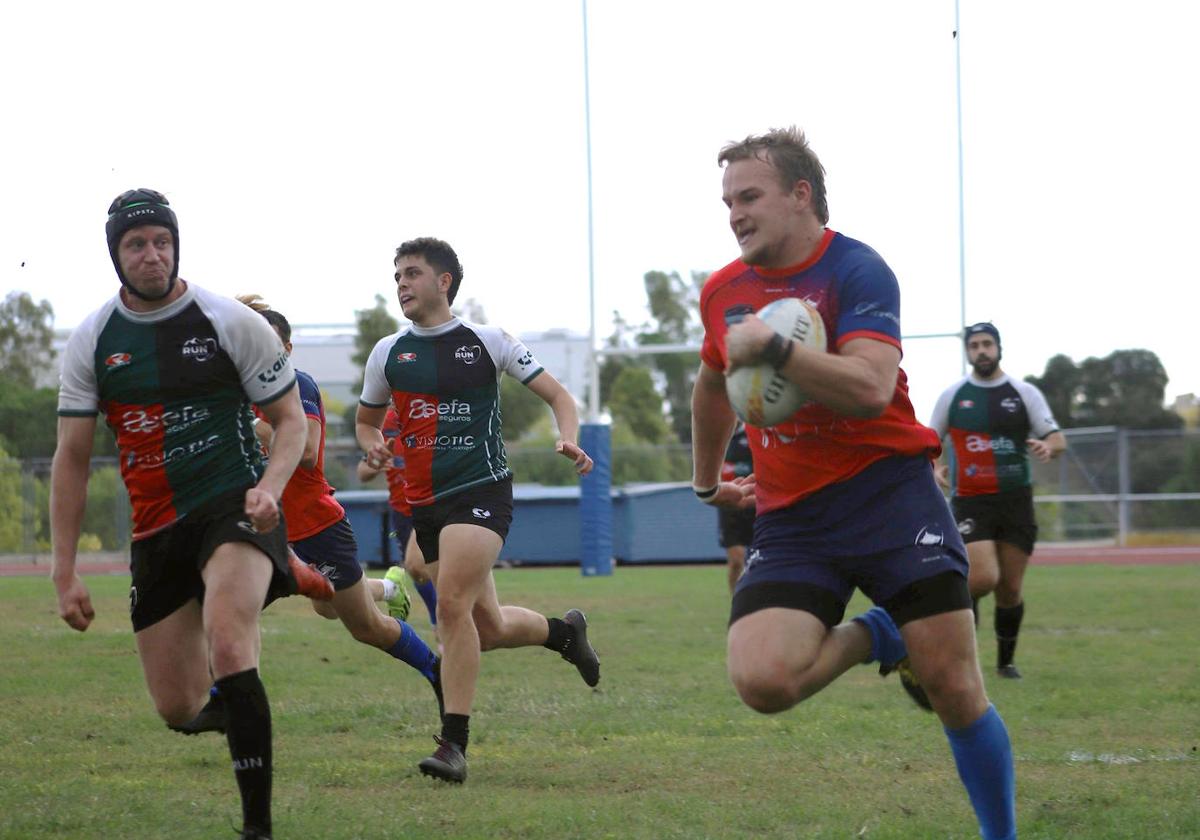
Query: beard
x,y
984,366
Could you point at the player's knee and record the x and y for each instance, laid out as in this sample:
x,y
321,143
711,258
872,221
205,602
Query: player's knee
x,y
452,610
954,688
766,690
982,581
232,653
1007,594
177,709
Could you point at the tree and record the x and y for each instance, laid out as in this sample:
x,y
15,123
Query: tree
x,y
1125,388
372,325
636,403
675,307
520,408
26,338
1060,384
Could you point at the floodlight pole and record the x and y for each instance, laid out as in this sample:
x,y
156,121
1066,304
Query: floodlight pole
x,y
593,406
962,245
595,488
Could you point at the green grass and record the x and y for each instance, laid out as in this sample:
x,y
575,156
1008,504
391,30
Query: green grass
x,y
1105,726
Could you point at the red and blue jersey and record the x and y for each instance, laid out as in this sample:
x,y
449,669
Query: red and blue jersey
x,y
857,296
308,503
395,470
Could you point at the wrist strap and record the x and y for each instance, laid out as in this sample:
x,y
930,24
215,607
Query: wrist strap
x,y
777,351
706,495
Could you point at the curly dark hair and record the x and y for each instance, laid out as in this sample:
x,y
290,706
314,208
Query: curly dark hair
x,y
439,255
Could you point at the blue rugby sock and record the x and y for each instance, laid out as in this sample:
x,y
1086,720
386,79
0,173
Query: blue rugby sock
x,y
983,755
412,649
886,645
428,593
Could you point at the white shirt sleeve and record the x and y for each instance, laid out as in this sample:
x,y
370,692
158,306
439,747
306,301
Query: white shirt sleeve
x,y
1041,419
78,391
510,354
376,391
252,344
940,421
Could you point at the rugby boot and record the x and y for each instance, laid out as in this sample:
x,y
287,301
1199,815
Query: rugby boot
x,y
447,762
309,582
579,653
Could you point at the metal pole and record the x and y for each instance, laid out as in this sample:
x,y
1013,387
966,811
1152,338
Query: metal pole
x,y
593,407
962,247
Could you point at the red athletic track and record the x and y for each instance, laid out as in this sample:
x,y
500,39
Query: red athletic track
x,y
1058,555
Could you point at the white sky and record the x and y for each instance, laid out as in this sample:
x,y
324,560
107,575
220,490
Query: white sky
x,y
299,146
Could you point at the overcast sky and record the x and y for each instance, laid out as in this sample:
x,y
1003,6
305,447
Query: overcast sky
x,y
300,145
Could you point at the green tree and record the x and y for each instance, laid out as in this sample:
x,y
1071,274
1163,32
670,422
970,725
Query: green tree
x,y
675,308
371,325
1126,388
635,403
26,338
1060,384
520,408
28,422
12,505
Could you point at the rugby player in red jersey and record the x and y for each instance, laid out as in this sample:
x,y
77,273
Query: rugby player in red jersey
x,y
320,534
844,489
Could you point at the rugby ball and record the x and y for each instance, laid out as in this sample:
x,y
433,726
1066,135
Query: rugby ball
x,y
760,395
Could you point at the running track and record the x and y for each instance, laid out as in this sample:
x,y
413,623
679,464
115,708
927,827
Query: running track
x,y
1058,555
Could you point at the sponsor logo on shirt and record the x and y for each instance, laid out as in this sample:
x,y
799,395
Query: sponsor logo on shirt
x,y
199,349
454,411
526,360
271,374
406,357
117,360
876,310
155,460
930,536
976,443
966,403
440,441
139,421
468,355
1010,404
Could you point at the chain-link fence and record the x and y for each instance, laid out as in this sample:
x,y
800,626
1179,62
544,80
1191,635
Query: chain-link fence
x,y
1110,485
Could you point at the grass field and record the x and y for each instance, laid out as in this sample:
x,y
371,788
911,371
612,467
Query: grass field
x,y
1105,726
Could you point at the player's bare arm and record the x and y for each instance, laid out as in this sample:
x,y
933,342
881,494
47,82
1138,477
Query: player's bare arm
x,y
1049,448
286,417
713,422
858,380
566,415
68,499
368,420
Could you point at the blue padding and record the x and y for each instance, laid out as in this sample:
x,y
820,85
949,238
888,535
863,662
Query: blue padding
x,y
595,502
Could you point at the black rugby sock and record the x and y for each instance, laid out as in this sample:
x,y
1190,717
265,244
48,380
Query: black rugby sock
x,y
457,729
561,635
249,736
1008,625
